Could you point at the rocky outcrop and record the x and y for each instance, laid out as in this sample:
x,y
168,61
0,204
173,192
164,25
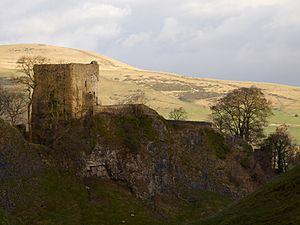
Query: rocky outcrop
x,y
154,157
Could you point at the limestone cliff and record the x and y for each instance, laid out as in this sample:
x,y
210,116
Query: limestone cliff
x,y
135,145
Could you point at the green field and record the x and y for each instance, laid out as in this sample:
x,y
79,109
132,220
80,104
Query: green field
x,y
294,132
195,112
289,118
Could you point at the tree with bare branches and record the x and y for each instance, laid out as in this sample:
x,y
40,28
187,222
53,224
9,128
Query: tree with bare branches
x,y
15,107
178,114
25,66
137,97
279,145
242,112
12,106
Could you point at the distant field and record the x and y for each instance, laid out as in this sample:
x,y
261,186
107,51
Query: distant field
x,y
294,131
290,118
279,118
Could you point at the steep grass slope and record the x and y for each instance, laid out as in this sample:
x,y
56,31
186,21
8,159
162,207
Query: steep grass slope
x,y
164,91
56,198
277,203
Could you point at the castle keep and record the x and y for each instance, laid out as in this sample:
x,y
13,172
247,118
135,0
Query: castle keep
x,y
63,92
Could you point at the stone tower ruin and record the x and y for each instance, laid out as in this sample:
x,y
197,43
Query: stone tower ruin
x,y
63,92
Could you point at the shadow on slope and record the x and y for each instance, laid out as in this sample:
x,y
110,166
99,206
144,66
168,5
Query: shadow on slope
x,y
56,198
276,203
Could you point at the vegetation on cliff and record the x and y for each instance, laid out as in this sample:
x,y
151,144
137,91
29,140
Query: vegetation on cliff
x,y
34,190
279,150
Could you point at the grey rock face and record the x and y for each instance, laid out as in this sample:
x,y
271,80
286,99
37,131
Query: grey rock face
x,y
176,160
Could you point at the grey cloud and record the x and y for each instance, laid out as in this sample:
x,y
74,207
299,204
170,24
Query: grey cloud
x,y
74,24
226,39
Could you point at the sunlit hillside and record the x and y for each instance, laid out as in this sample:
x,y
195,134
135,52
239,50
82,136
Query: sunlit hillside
x,y
164,91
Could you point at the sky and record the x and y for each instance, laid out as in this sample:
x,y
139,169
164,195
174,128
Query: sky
x,y
249,40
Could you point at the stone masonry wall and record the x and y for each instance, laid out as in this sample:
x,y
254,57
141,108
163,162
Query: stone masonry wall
x,y
63,92
85,88
51,99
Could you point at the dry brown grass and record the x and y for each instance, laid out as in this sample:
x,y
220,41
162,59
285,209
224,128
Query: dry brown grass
x,y
164,91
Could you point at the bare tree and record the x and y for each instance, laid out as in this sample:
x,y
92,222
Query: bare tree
x,y
178,114
25,66
242,112
137,97
12,106
279,145
15,107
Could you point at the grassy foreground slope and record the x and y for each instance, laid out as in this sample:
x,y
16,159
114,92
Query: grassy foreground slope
x,y
164,91
54,198
277,203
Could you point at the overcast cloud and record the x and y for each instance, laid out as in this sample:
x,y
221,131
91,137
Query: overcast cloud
x,y
256,40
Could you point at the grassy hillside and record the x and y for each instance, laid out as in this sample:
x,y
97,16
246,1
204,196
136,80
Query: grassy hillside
x,y
164,91
276,203
58,198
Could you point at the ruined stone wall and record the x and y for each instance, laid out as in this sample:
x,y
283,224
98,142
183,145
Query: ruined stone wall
x,y
63,91
185,123
85,88
126,109
51,99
